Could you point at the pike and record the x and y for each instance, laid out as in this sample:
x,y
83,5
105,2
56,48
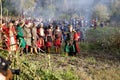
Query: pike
x,y
1,18
1,10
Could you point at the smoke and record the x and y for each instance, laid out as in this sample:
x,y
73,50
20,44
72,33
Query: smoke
x,y
56,8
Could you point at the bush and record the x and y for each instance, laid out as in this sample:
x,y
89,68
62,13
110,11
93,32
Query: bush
x,y
105,39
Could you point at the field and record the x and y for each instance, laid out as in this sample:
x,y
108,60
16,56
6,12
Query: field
x,y
93,63
85,66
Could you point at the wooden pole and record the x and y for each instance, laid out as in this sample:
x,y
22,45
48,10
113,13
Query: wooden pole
x,y
1,21
21,8
7,16
1,10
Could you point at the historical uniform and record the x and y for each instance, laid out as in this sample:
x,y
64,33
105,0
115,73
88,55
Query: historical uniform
x,y
48,39
69,47
70,42
5,35
57,39
41,37
20,36
28,36
34,38
12,38
76,40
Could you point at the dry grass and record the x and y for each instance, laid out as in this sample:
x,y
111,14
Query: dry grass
x,y
86,66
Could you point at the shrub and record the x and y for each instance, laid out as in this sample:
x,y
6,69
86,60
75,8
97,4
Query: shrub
x,y
105,39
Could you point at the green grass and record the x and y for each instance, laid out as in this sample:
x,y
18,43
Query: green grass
x,y
95,61
91,60
58,67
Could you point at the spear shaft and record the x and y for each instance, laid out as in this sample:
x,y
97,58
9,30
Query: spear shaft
x,y
1,10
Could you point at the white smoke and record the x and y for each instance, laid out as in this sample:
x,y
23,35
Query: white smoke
x,y
56,8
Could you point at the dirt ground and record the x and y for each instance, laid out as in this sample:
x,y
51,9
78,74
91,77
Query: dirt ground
x,y
87,66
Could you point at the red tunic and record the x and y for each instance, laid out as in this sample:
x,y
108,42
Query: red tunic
x,y
41,35
40,43
76,38
12,39
48,38
5,36
58,37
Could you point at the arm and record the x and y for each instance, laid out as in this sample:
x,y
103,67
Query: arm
x,y
2,77
6,75
9,75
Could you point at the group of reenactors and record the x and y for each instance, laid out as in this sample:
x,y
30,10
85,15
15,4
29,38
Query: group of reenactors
x,y
26,36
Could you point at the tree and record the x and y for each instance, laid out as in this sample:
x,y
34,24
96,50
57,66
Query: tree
x,y
115,10
101,12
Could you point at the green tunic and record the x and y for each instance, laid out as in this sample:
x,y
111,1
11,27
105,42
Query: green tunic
x,y
20,36
69,45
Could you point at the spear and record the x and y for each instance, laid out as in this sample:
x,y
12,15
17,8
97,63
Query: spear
x,y
1,18
7,15
1,10
21,5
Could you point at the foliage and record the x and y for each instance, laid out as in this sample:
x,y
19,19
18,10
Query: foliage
x,y
32,69
101,12
84,46
104,39
50,8
115,10
35,67
69,76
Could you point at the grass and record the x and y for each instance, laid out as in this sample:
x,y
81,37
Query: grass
x,y
91,60
105,73
93,63
58,67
